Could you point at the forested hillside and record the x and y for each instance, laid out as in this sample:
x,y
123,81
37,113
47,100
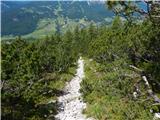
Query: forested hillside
x,y
122,68
37,19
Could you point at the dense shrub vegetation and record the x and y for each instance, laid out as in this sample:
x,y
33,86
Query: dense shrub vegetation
x,y
112,88
34,72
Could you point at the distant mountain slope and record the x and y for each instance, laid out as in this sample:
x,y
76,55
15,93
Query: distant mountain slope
x,y
22,18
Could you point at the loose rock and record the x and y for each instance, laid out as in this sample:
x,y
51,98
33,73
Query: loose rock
x,y
71,103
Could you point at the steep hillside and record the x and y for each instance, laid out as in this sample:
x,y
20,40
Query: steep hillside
x,y
22,18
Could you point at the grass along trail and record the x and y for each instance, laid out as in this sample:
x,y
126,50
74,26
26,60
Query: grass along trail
x,y
71,104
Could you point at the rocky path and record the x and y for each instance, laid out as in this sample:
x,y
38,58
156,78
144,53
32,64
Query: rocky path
x,y
71,104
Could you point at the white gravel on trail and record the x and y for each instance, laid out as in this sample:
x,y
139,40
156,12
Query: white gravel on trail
x,y
71,104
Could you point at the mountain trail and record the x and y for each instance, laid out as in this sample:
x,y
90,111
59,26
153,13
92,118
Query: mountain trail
x,y
71,104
